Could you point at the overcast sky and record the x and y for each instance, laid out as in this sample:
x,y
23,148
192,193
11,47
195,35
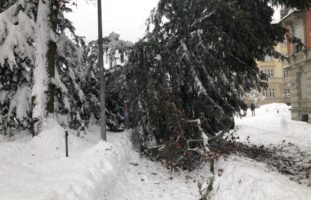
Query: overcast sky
x,y
126,17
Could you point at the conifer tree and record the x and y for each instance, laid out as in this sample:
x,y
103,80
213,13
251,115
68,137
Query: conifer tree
x,y
17,24
53,51
44,72
17,60
115,56
196,61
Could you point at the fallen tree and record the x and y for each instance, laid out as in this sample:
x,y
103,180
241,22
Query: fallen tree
x,y
196,60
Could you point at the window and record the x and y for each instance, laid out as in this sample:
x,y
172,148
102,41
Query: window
x,y
285,73
286,92
268,93
265,93
269,72
271,92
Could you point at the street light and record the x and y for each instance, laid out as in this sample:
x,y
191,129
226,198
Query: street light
x,y
102,73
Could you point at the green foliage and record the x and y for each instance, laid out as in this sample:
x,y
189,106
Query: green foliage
x,y
114,80
16,67
199,57
16,73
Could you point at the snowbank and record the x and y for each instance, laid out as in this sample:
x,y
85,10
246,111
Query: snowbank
x,y
245,179
273,125
38,169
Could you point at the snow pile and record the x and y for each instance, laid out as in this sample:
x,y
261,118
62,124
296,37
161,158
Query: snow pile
x,y
38,169
273,125
274,108
245,179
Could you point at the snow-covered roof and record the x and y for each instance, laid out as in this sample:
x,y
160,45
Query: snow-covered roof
x,y
289,13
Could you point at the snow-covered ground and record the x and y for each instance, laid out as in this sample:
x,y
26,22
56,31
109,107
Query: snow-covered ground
x,y
36,168
245,179
273,125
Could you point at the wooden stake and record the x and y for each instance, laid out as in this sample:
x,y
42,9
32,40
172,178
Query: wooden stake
x,y
66,143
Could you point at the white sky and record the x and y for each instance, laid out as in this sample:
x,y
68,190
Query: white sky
x,y
126,17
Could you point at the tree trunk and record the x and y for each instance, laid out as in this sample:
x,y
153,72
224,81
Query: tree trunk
x,y
45,54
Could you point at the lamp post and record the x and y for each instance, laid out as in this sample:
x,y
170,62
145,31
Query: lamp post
x,y
102,73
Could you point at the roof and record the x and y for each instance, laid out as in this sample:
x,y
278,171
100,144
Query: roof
x,y
290,13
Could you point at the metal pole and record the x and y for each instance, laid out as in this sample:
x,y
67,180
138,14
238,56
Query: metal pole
x,y
102,73
66,143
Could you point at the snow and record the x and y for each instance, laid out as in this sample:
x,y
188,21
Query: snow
x,y
149,180
199,84
40,170
21,102
158,57
245,179
272,125
93,170
40,75
13,38
291,11
73,77
3,95
59,84
36,168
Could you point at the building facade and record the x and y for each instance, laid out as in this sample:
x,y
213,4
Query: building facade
x,y
298,24
278,90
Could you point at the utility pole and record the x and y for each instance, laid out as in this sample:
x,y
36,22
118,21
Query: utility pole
x,y
102,73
